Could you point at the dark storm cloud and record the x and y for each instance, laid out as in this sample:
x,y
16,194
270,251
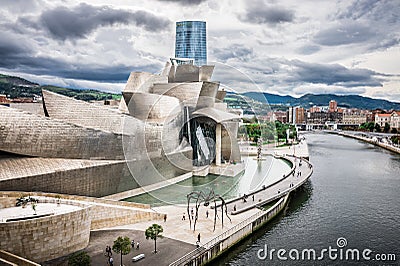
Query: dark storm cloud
x,y
73,23
233,51
369,8
18,57
259,13
332,74
345,33
380,17
185,2
12,49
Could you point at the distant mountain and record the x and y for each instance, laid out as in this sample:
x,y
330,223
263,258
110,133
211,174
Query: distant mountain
x,y
16,87
308,100
271,98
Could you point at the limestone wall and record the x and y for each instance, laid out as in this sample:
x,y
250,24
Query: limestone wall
x,y
47,238
95,180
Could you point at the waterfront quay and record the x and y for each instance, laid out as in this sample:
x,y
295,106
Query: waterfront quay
x,y
372,138
245,215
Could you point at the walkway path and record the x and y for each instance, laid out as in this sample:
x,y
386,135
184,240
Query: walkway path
x,y
302,171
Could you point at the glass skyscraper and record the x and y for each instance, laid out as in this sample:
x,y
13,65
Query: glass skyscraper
x,y
191,41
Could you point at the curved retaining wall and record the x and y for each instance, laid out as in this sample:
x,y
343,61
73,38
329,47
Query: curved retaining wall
x,y
48,237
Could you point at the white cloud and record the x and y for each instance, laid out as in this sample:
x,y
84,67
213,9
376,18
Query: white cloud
x,y
288,48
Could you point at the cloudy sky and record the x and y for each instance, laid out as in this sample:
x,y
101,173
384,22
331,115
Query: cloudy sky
x,y
284,47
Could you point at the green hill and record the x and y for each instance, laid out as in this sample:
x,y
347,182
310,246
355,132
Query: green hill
x,y
16,87
309,100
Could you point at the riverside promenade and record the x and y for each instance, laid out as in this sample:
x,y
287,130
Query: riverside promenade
x,y
245,215
367,138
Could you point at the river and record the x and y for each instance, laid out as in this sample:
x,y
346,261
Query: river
x,y
353,195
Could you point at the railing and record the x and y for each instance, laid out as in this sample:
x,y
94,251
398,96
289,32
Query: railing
x,y
193,255
292,169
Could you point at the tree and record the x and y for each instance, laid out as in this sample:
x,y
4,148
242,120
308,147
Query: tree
x,y
377,128
122,245
386,128
80,258
154,232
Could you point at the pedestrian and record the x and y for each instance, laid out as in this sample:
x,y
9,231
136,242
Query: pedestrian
x,y
253,197
279,191
108,251
234,207
133,244
165,218
198,237
206,213
111,261
192,213
137,245
183,217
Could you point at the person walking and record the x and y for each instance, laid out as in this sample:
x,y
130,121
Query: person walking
x,y
198,237
183,217
108,251
206,213
111,261
137,245
133,244
165,218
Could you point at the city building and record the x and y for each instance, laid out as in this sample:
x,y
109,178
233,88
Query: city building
x,y
315,109
382,119
300,118
4,100
279,116
191,42
395,119
332,106
296,115
354,117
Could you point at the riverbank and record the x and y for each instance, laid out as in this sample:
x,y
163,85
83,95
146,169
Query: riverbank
x,y
361,136
353,194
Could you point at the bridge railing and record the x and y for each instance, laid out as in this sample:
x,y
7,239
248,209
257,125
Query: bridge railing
x,y
205,247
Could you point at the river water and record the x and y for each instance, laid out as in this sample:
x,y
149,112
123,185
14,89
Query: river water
x,y
354,193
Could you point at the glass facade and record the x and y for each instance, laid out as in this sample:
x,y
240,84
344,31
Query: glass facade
x,y
191,41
